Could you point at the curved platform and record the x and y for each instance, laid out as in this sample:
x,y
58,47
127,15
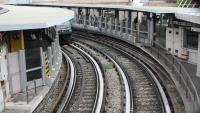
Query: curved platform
x,y
152,9
26,17
187,14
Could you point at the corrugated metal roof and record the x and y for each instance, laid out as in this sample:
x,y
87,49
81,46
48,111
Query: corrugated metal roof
x,y
25,17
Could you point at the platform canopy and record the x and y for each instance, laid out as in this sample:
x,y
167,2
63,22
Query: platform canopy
x,y
152,9
187,14
190,17
27,17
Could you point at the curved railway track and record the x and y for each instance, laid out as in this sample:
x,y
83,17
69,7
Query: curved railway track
x,y
118,95
52,98
88,92
145,95
174,98
169,88
110,76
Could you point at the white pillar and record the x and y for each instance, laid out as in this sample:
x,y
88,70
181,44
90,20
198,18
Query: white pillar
x,y
198,63
150,24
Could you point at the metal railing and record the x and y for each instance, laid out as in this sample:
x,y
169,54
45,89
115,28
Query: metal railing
x,y
172,64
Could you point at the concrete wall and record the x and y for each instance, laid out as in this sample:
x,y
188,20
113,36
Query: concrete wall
x,y
174,37
174,41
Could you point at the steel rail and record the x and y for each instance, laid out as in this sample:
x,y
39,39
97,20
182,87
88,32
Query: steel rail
x,y
71,85
125,81
100,81
161,91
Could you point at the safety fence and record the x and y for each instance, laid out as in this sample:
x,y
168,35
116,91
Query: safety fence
x,y
121,29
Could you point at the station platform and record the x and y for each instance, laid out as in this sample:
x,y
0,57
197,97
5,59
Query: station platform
x,y
18,103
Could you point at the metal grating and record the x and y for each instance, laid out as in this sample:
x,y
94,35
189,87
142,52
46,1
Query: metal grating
x,y
188,3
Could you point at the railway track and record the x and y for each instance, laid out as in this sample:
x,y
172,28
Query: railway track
x,y
175,101
169,89
118,95
88,91
145,97
105,75
50,101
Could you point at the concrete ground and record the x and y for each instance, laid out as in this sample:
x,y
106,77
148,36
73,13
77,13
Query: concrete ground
x,y
192,69
18,103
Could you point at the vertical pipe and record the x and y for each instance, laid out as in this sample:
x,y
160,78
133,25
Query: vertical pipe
x,y
27,95
35,87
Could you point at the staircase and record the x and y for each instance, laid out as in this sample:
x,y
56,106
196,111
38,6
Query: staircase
x,y
188,3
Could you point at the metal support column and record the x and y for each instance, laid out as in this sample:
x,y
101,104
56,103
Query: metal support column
x,y
129,22
198,61
150,23
84,19
99,19
22,64
153,26
87,15
138,26
117,20
79,14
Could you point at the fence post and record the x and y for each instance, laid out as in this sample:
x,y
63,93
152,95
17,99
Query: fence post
x,y
158,53
35,87
27,94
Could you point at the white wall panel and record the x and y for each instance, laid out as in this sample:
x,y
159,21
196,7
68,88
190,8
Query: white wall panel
x,y
14,72
170,39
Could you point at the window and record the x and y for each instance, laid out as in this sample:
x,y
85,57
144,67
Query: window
x,y
191,39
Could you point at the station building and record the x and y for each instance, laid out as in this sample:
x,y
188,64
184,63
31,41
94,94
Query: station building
x,y
29,47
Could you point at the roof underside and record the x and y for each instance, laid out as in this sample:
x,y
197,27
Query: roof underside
x,y
151,9
25,17
186,14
